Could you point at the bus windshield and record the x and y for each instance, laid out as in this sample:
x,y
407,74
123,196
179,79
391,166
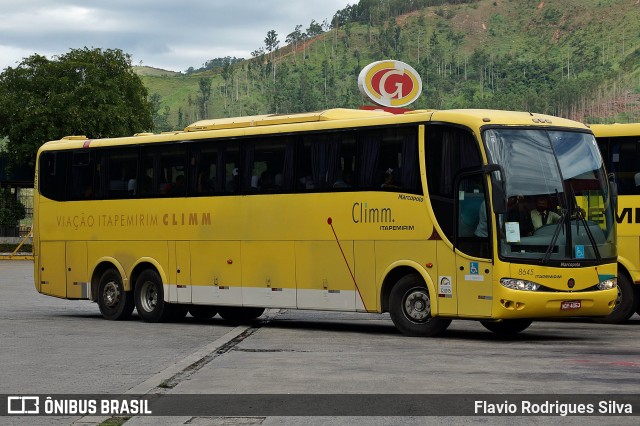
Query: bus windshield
x,y
558,203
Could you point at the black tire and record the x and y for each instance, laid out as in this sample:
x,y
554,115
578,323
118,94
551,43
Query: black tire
x,y
203,312
115,304
237,314
410,308
507,327
626,303
149,297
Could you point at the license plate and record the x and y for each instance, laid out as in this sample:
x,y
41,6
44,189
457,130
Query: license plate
x,y
568,305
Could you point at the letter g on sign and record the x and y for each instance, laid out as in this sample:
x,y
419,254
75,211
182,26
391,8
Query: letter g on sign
x,y
390,83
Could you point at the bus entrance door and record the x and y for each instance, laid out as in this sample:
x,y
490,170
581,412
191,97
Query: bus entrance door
x,y
464,283
473,279
473,247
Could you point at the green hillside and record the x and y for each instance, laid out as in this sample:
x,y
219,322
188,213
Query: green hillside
x,y
574,58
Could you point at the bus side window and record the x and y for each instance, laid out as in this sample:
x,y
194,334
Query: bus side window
x,y
204,161
325,160
228,169
388,160
624,163
448,151
120,169
52,182
165,167
472,236
81,183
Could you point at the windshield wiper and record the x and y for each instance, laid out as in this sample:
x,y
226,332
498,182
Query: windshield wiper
x,y
556,233
581,218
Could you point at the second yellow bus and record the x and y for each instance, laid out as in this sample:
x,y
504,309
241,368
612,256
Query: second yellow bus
x,y
620,147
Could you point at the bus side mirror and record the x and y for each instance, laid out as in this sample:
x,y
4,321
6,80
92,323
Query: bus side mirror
x,y
498,192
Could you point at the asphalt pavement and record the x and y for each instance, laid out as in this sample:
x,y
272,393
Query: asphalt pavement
x,y
54,346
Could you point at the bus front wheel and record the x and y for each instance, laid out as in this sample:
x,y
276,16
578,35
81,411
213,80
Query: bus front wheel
x,y
149,297
626,302
410,308
507,327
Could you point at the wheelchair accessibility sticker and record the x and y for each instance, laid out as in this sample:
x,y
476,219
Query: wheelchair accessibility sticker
x,y
474,273
579,252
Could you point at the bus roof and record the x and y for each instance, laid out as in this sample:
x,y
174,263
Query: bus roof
x,y
323,120
616,129
273,119
482,117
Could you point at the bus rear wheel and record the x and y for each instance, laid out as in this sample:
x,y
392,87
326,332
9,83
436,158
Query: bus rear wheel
x,y
410,308
149,297
115,304
507,327
238,314
203,312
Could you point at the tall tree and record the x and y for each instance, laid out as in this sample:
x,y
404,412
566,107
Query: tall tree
x,y
160,115
271,41
315,29
90,92
293,38
205,94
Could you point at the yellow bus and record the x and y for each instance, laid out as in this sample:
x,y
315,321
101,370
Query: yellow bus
x,y
344,210
620,147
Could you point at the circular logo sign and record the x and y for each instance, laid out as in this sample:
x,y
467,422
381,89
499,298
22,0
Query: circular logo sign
x,y
390,83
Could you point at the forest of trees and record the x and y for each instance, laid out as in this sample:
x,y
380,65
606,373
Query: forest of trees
x,y
586,74
213,64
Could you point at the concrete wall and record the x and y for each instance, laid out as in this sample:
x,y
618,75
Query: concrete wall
x,y
14,240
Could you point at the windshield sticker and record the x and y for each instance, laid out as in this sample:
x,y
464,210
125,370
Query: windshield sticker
x,y
579,252
512,232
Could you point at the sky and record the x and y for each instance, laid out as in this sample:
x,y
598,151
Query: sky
x,y
172,35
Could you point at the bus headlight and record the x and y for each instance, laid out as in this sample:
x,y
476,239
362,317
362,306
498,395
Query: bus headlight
x,y
608,284
518,284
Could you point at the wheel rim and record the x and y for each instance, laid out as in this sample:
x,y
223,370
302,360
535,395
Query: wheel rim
x,y
111,294
618,299
417,305
148,296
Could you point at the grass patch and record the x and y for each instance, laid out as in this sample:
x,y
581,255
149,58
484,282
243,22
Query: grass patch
x,y
165,384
